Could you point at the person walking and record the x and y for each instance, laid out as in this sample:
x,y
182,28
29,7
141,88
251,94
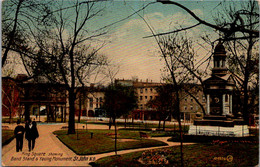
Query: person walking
x,y
18,133
31,133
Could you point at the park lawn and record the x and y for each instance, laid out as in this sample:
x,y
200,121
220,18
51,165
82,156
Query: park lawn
x,y
14,120
244,154
138,125
7,136
103,141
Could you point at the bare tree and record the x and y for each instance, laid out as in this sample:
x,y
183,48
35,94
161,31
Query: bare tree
x,y
243,50
65,55
235,25
238,27
19,19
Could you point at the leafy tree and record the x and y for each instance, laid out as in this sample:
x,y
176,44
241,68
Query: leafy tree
x,y
118,101
10,96
163,103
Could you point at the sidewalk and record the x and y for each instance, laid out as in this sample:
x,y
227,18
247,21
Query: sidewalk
x,y
49,151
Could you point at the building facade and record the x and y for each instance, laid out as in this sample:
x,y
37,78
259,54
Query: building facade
x,y
190,103
89,101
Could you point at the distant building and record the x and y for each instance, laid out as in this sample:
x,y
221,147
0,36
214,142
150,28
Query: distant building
x,y
10,97
192,102
147,90
36,97
89,101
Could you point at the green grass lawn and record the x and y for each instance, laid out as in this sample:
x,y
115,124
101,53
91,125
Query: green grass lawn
x,y
7,136
239,154
103,141
140,125
14,120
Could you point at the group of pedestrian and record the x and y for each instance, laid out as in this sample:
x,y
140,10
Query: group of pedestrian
x,y
31,133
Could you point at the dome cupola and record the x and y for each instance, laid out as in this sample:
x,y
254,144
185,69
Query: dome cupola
x,y
219,59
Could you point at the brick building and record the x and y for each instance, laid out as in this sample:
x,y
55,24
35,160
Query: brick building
x,y
190,103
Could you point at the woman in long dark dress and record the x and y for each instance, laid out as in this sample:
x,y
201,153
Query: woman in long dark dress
x,y
31,133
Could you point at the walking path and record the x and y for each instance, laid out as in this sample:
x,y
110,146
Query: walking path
x,y
49,151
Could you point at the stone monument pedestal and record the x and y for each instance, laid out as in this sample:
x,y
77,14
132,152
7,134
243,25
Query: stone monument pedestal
x,y
219,126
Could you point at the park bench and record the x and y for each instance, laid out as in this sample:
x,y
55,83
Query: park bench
x,y
143,135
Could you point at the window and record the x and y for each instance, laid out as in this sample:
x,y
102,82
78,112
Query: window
x,y
141,90
185,99
96,105
151,89
145,90
203,99
91,100
145,97
141,97
151,97
100,99
191,108
97,100
218,63
185,107
226,98
191,99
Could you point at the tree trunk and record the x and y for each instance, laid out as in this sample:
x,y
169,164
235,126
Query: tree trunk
x,y
79,109
246,80
26,112
114,120
12,33
71,128
179,122
125,121
164,124
110,123
62,110
10,116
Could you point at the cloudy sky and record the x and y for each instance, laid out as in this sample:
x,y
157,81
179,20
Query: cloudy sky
x,y
138,56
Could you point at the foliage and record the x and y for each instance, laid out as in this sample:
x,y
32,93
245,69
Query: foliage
x,y
195,155
103,141
119,100
163,103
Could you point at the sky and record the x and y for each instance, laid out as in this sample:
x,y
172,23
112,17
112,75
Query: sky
x,y
139,56
125,45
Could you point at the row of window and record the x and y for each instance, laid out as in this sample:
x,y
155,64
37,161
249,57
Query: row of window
x,y
191,99
91,105
146,98
97,100
191,108
142,90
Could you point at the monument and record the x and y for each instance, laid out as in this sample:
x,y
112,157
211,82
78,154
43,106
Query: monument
x,y
219,119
